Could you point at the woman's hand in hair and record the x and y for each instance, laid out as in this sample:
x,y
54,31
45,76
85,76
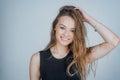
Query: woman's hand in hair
x,y
86,17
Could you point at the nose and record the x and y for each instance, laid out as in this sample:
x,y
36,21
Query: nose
x,y
66,33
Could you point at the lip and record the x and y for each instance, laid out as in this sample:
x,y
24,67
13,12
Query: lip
x,y
64,39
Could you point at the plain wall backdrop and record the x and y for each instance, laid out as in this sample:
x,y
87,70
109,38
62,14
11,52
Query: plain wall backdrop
x,y
25,29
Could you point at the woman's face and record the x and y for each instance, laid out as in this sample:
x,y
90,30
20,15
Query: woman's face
x,y
64,30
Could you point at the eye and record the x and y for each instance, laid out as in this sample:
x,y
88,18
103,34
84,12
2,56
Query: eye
x,y
72,30
62,27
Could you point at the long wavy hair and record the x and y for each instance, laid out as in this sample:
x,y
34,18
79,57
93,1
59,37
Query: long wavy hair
x,y
78,46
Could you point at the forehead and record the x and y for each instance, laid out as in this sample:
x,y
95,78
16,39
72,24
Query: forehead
x,y
67,21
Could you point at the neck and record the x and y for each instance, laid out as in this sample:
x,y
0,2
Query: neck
x,y
61,49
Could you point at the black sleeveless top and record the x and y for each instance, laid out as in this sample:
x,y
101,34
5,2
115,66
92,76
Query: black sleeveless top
x,y
52,68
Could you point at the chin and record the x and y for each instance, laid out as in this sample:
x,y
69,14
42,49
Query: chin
x,y
64,43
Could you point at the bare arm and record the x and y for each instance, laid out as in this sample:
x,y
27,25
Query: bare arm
x,y
110,39
34,68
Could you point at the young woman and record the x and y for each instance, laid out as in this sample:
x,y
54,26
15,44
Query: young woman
x,y
67,56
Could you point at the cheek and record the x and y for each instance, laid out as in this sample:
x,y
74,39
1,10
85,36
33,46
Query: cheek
x,y
72,35
58,33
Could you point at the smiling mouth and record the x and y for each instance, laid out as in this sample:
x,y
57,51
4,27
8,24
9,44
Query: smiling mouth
x,y
64,39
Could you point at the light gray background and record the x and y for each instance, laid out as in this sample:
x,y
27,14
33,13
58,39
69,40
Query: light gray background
x,y
25,28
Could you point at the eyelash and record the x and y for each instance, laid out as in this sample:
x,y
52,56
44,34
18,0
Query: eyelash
x,y
62,28
70,30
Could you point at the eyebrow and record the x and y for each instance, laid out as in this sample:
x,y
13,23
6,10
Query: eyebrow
x,y
65,26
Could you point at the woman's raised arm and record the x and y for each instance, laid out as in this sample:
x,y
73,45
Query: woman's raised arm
x,y
111,40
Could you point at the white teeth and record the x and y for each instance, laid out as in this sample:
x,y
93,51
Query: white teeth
x,y
65,39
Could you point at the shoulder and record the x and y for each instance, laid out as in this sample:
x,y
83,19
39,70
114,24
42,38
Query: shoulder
x,y
35,55
35,58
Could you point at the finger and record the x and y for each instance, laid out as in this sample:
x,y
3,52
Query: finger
x,y
79,8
